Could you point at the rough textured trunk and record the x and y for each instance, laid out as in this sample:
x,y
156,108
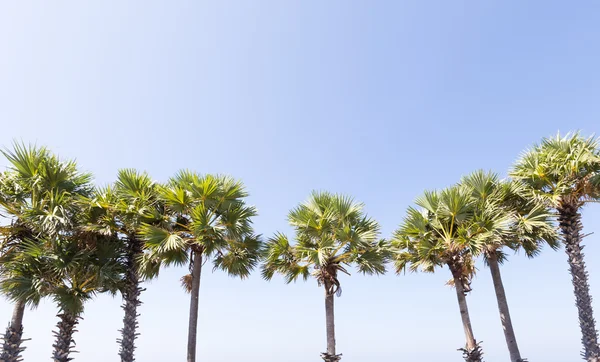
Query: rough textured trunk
x,y
131,302
570,225
11,348
509,333
64,337
330,322
472,352
330,355
193,322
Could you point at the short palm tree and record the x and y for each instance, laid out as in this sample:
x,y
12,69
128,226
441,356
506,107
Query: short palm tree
x,y
68,270
447,231
531,226
40,194
564,172
14,237
332,233
119,212
209,219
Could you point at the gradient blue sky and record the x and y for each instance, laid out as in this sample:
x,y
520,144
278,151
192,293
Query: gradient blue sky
x,y
377,99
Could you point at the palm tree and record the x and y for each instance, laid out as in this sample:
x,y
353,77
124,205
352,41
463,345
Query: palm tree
x,y
13,238
564,172
531,226
39,193
68,270
119,212
332,233
209,219
447,231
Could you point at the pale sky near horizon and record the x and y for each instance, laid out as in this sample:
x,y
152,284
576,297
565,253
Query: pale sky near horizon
x,y
380,100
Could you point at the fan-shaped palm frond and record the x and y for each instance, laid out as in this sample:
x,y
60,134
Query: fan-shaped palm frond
x,y
561,169
331,231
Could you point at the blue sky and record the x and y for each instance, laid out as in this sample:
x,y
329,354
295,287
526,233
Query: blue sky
x,y
379,100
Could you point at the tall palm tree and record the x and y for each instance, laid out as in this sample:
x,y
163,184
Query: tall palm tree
x,y
564,172
39,193
209,219
119,212
531,226
447,231
332,233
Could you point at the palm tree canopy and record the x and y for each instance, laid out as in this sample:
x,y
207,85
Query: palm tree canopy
x,y
530,223
43,197
447,229
42,188
332,232
68,271
123,207
206,214
562,169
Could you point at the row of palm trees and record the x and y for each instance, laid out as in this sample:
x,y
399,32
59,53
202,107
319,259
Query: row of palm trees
x,y
68,240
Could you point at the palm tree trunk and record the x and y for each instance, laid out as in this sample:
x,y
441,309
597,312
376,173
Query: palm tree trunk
x,y
329,324
193,321
131,296
330,355
570,225
464,314
509,333
472,351
11,349
64,337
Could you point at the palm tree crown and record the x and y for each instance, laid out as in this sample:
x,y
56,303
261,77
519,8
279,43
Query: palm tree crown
x,y
332,233
207,215
42,189
445,231
530,222
562,169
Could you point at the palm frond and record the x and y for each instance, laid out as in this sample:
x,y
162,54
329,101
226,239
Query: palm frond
x,y
561,168
240,257
160,240
331,231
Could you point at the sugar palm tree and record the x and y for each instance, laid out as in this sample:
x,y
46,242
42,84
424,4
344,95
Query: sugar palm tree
x,y
531,226
447,231
13,237
68,270
209,219
564,172
39,193
119,212
332,234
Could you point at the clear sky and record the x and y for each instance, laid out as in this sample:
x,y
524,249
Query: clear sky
x,y
377,99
